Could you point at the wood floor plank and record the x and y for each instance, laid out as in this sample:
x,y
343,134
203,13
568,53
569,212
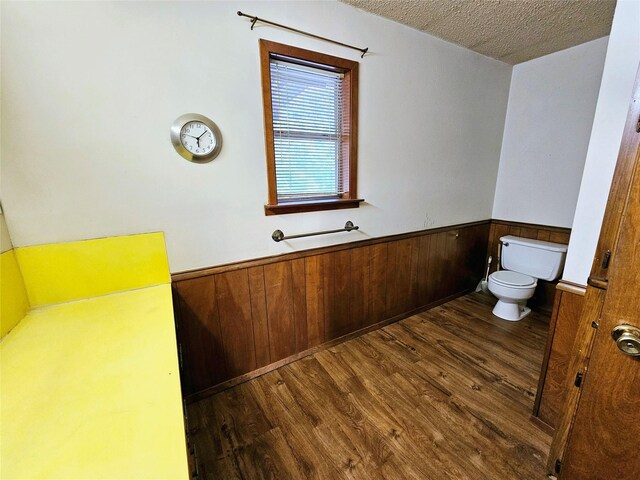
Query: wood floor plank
x,y
273,396
269,457
408,439
438,434
451,431
486,366
371,445
445,394
335,366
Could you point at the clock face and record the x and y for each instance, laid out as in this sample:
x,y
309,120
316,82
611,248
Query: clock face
x,y
197,138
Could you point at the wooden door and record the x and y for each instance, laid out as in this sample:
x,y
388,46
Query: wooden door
x,y
605,439
604,434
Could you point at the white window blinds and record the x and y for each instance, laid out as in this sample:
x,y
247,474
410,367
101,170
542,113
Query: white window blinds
x,y
307,106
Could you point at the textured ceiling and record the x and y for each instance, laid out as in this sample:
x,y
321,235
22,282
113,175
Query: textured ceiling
x,y
513,31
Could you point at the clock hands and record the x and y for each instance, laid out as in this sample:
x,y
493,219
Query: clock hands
x,y
201,135
198,137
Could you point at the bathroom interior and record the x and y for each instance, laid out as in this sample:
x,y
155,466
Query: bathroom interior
x,y
179,297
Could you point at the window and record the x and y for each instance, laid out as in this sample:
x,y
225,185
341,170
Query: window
x,y
310,115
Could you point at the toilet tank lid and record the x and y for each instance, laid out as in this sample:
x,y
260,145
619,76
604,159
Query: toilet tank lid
x,y
530,242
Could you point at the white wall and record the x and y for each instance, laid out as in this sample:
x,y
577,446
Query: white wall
x,y
552,101
623,57
5,240
89,91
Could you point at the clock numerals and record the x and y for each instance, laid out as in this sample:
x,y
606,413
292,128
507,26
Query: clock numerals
x,y
197,138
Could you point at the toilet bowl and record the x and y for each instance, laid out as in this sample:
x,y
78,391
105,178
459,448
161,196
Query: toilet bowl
x,y
512,289
524,262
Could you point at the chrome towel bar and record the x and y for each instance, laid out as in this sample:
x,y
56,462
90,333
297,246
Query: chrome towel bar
x,y
278,235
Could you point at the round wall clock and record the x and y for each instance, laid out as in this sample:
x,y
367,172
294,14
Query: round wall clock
x,y
196,138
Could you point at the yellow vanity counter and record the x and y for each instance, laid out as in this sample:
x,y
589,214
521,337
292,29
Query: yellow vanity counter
x,y
90,389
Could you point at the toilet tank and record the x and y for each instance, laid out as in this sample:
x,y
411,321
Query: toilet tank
x,y
537,258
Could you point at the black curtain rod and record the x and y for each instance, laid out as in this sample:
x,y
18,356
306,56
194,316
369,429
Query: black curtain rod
x,y
255,19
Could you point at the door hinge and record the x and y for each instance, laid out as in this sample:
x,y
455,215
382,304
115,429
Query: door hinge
x,y
605,259
578,380
595,324
558,465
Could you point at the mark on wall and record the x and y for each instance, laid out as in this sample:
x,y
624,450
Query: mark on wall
x,y
428,221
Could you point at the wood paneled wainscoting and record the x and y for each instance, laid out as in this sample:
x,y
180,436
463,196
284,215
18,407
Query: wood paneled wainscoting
x,y
562,333
543,299
241,320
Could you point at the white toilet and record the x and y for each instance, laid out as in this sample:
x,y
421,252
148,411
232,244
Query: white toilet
x,y
524,261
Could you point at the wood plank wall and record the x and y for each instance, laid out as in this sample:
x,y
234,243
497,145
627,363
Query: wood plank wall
x,y
562,333
543,299
240,320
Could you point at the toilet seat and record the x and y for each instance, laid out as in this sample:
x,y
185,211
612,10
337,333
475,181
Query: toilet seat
x,y
512,289
510,279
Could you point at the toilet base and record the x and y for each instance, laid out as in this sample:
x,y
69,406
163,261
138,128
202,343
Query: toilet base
x,y
511,311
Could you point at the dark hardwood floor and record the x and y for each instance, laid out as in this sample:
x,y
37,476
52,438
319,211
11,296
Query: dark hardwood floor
x,y
446,394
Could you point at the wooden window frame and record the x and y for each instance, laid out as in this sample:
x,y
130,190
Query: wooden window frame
x,y
349,69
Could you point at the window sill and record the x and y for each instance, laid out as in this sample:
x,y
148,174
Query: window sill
x,y
311,206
